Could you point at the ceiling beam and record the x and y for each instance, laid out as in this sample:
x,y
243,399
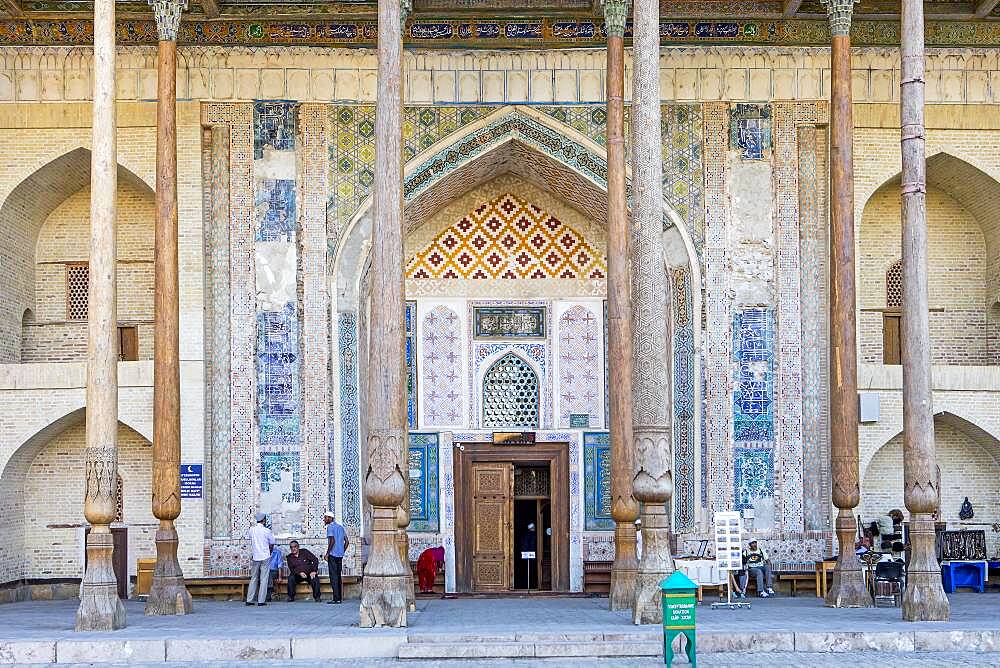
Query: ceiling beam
x,y
210,7
985,8
13,8
790,8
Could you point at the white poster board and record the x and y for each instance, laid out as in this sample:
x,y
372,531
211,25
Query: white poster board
x,y
729,541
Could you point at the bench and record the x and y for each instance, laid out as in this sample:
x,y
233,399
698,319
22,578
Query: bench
x,y
796,580
597,577
230,588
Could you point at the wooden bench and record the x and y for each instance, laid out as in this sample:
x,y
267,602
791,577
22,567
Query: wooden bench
x,y
225,588
796,580
597,577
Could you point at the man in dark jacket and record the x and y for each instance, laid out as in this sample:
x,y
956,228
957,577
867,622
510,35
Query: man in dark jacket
x,y
303,566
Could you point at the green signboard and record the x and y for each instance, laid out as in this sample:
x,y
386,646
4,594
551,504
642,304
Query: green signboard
x,y
679,601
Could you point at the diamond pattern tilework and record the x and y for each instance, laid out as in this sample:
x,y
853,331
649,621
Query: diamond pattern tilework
x,y
579,365
508,238
441,336
682,166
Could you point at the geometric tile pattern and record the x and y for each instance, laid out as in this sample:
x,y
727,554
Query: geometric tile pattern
x,y
685,441
350,478
579,365
753,475
424,487
510,394
484,354
753,394
597,481
409,318
507,238
683,180
441,338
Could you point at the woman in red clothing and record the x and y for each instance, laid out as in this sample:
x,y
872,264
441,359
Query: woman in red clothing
x,y
428,564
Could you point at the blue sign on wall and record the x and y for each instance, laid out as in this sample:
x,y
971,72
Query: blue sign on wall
x,y
191,481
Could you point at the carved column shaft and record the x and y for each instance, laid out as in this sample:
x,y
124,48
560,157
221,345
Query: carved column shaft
x,y
624,509
384,587
167,595
652,484
924,598
100,609
848,589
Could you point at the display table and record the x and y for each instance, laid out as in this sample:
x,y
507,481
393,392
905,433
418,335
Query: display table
x,y
955,574
703,572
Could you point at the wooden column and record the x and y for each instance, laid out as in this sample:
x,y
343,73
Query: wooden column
x,y
624,508
167,596
100,609
848,589
924,598
652,482
384,586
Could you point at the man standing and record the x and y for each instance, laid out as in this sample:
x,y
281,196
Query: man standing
x,y
303,566
755,562
336,546
273,566
261,545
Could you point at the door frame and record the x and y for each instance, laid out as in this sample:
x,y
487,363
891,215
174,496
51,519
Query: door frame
x,y
556,456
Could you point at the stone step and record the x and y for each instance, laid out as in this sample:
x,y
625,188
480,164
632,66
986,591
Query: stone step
x,y
510,650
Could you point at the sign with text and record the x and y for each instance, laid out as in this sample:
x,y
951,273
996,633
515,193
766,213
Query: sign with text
x,y
509,322
191,481
513,438
729,540
579,420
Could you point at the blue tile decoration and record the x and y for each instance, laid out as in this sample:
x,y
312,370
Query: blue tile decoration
x,y
275,469
684,400
424,488
347,346
278,390
411,364
753,475
750,130
597,481
274,209
273,126
753,397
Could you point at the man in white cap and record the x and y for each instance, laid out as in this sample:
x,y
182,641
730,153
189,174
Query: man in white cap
x,y
261,545
336,547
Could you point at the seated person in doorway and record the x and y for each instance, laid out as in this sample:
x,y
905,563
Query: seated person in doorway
x,y
430,562
303,566
755,562
277,558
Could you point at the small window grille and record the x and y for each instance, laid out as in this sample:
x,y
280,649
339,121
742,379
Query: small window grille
x,y
510,394
894,285
119,500
77,288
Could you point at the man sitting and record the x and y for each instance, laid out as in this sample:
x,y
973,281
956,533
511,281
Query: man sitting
x,y
303,566
755,562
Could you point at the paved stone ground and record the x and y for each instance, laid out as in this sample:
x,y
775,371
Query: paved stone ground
x,y
771,660
48,620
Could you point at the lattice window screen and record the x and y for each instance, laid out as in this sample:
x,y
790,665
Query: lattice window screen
x,y
510,394
77,286
894,285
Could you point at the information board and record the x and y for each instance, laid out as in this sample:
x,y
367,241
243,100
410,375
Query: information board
x,y
191,481
729,540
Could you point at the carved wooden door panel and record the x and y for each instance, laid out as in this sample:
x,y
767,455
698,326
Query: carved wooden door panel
x,y
492,495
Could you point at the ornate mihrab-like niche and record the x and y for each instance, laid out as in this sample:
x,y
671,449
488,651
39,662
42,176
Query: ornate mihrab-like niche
x,y
508,238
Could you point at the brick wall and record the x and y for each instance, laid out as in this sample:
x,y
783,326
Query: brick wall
x,y
956,276
967,469
64,238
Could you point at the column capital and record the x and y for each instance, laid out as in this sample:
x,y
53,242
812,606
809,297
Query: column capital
x,y
168,17
615,14
839,13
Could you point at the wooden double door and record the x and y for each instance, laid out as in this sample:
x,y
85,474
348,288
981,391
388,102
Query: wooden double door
x,y
485,523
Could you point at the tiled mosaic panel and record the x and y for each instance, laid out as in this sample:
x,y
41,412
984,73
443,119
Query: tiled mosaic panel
x,y
508,238
352,147
684,400
274,208
278,391
347,348
753,475
597,481
410,341
753,395
279,409
750,130
511,394
579,365
424,488
441,335
352,150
